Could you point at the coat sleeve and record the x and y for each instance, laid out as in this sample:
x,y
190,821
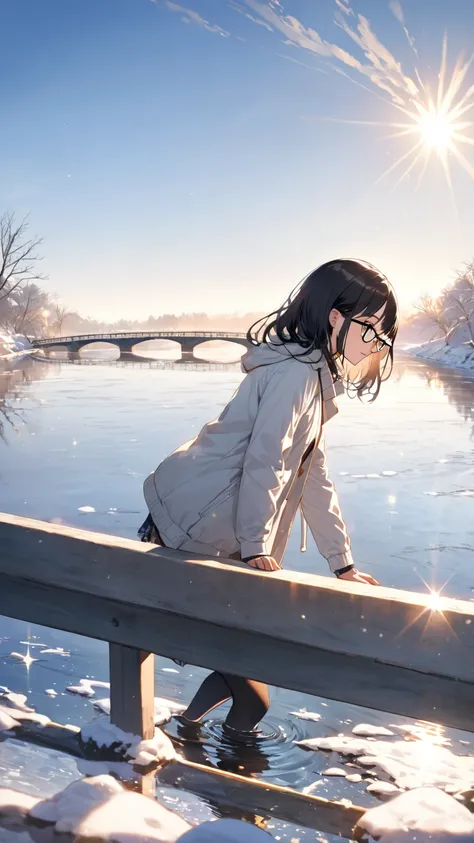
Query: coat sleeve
x,y
284,399
320,508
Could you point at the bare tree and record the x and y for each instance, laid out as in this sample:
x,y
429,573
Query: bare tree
x,y
434,312
60,316
18,255
459,299
28,310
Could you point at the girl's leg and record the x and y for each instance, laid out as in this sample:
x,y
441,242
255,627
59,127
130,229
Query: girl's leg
x,y
213,692
250,700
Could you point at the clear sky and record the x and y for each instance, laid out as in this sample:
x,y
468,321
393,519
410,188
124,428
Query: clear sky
x,y
190,156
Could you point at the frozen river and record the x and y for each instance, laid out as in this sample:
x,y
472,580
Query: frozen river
x,y
81,440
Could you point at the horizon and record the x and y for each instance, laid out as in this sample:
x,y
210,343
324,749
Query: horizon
x,y
177,152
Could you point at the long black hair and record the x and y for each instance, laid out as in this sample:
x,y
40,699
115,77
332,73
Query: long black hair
x,y
354,288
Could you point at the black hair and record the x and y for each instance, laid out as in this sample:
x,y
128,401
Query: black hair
x,y
354,288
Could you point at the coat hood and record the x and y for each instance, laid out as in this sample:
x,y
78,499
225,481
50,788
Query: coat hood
x,y
274,351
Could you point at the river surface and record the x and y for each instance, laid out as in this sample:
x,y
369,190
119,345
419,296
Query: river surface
x,y
80,437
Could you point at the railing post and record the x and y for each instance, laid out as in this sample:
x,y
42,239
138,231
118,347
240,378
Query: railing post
x,y
132,690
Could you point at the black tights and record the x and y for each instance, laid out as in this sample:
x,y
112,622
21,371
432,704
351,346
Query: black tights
x,y
250,700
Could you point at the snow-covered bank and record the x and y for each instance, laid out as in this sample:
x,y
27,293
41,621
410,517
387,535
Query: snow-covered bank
x,y
12,345
439,351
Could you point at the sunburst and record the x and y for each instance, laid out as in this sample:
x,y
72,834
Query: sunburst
x,y
439,123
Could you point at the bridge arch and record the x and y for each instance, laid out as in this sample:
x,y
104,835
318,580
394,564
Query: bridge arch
x,y
126,341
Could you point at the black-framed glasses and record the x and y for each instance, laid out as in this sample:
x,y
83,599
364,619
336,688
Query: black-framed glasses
x,y
370,335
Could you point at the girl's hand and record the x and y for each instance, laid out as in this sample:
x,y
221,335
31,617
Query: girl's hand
x,y
357,576
264,563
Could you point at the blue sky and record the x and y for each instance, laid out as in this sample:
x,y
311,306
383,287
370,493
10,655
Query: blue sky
x,y
189,156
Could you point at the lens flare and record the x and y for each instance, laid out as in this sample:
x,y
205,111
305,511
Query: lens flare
x,y
439,124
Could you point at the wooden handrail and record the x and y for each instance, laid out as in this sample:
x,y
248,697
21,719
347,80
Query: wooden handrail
x,y
380,648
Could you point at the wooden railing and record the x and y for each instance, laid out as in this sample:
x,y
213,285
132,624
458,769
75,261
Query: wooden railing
x,y
395,651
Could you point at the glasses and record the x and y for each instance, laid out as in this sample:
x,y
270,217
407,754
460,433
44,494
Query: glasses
x,y
370,335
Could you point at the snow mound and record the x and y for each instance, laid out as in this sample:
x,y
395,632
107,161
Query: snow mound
x,y
131,818
96,809
426,815
13,802
67,809
102,734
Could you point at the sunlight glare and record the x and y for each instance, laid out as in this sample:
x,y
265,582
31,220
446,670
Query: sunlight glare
x,y
436,129
435,601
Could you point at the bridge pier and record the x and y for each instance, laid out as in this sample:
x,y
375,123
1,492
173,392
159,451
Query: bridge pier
x,y
188,344
125,347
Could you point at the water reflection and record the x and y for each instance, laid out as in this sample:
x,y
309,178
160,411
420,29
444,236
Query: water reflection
x,y
15,375
457,386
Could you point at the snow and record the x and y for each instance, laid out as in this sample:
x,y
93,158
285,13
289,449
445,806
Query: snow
x,y
86,687
18,701
334,771
226,831
13,708
11,345
6,721
60,651
164,709
382,788
340,744
367,730
132,818
19,714
24,657
68,808
100,809
461,356
303,714
103,734
419,815
410,764
13,802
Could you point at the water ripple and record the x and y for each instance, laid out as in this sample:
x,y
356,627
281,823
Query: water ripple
x,y
268,753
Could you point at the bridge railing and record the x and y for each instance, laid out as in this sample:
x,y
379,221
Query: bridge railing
x,y
140,335
385,649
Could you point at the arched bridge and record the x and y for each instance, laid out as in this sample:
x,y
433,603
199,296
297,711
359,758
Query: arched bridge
x,y
126,341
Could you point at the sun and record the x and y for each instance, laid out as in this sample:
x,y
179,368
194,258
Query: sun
x,y
440,124
437,130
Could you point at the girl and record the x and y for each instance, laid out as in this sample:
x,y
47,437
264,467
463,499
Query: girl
x,y
234,490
